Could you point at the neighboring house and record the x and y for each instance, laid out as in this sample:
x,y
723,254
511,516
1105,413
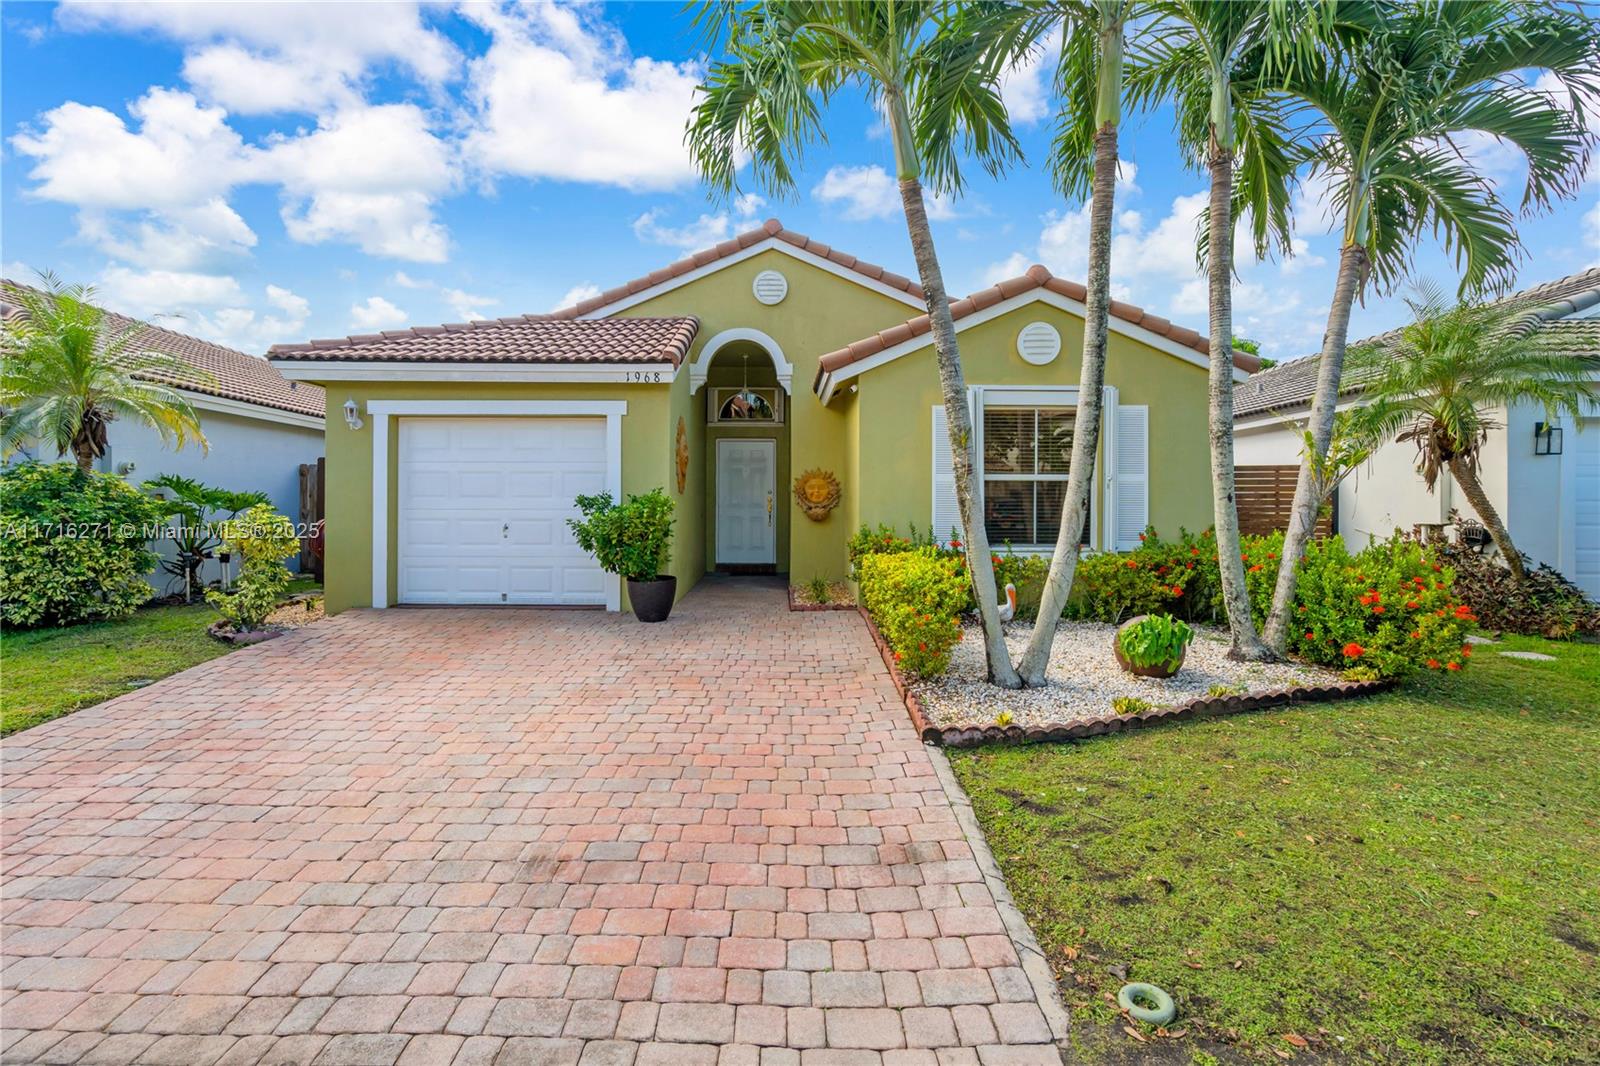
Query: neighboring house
x,y
260,426
1550,502
722,378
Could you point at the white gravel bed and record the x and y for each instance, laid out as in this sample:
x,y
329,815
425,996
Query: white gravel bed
x,y
1084,677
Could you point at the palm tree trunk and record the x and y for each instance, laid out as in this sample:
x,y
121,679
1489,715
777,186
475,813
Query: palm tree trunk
x,y
1309,491
1472,489
83,451
958,420
1086,421
1246,644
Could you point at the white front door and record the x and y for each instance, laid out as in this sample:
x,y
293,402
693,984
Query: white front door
x,y
483,506
747,531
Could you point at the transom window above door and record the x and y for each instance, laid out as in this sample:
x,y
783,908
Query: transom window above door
x,y
1027,457
749,405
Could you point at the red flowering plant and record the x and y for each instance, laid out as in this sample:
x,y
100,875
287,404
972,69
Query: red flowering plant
x,y
916,599
1384,612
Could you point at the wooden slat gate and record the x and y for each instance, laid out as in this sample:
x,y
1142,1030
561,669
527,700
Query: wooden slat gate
x,y
1265,495
313,491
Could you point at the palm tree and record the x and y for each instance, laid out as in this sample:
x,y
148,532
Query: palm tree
x,y
1389,97
1440,383
930,69
1089,78
1214,60
67,371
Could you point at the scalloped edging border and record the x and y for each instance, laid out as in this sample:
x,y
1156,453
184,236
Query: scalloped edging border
x,y
796,605
1100,725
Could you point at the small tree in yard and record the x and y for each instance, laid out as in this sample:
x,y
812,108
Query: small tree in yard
x,y
263,539
66,372
1439,385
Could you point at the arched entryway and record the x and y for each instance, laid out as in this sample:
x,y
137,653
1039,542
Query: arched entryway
x,y
743,380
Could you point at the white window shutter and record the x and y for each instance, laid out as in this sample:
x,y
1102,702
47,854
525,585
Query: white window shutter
x,y
1130,498
946,509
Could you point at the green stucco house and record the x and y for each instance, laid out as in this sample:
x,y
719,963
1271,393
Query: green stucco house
x,y
454,452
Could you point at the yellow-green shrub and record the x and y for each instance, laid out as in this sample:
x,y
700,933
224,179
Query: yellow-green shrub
x,y
916,599
261,538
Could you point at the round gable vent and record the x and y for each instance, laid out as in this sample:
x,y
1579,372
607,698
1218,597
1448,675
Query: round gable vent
x,y
770,287
1038,343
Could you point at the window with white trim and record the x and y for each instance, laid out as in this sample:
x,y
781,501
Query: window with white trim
x,y
1027,458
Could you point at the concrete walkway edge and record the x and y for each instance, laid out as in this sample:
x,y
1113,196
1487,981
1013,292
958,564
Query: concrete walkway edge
x,y
1034,963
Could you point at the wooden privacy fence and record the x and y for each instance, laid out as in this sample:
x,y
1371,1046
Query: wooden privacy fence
x,y
1265,495
313,492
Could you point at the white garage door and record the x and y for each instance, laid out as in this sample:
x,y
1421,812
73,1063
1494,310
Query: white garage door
x,y
1586,515
483,506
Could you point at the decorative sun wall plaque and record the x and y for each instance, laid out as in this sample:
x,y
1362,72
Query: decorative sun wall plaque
x,y
817,493
683,456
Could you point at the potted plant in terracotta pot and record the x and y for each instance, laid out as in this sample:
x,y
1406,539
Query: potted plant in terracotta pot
x,y
631,539
1152,645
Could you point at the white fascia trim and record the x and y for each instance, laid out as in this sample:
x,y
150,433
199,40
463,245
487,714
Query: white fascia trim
x,y
702,364
380,370
380,412
222,405
500,408
769,244
831,380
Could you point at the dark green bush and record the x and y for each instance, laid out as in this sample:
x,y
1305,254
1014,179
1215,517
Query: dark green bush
x,y
75,545
629,539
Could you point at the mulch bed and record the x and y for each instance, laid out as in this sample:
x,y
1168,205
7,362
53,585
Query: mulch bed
x,y
1100,725
800,599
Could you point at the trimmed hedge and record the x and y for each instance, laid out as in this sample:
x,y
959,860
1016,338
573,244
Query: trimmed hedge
x,y
916,599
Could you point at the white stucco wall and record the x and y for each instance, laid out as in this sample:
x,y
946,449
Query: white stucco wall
x,y
1533,493
246,454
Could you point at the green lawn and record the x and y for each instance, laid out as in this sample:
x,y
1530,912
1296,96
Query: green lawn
x,y
1410,878
46,673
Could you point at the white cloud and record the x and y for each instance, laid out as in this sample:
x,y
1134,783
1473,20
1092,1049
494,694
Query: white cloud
x,y
465,305
263,58
580,292
1155,267
558,95
367,175
703,232
376,314
870,192
164,292
1025,89
748,205
182,154
295,306
406,281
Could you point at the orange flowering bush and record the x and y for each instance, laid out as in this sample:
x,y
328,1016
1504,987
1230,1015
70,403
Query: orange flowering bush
x,y
1386,611
916,598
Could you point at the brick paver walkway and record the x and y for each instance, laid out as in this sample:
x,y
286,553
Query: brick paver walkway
x,y
480,836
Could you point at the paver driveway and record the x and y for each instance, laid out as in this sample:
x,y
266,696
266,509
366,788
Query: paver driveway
x,y
506,836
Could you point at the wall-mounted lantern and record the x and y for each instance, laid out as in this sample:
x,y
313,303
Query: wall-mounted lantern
x,y
1546,439
352,415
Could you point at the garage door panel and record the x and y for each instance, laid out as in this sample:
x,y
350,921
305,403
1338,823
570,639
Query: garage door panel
x,y
483,505
1585,448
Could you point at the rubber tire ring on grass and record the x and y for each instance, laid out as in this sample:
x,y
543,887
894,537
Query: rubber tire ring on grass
x,y
1163,1012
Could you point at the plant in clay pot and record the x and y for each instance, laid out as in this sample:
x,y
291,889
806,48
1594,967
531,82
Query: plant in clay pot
x,y
631,539
1152,645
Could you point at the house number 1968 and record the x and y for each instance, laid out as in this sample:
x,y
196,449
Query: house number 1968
x,y
653,376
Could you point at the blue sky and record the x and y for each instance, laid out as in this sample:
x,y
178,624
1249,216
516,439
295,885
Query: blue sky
x,y
270,173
